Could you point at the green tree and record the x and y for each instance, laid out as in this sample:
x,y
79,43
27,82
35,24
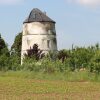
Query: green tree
x,y
4,54
16,47
15,57
3,46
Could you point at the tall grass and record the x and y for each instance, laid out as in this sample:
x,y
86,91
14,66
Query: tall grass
x,y
82,76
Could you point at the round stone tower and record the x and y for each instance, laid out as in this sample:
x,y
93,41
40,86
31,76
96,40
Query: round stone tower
x,y
39,29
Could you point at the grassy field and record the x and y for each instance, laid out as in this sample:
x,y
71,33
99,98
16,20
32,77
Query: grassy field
x,y
26,86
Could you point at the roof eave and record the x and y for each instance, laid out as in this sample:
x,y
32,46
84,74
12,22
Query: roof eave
x,y
38,21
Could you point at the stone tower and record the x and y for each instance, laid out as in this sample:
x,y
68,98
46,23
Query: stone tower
x,y
39,29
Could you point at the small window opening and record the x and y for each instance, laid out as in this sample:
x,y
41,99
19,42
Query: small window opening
x,y
48,43
49,31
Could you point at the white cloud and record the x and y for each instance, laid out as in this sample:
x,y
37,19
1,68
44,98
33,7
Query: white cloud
x,y
89,2
10,1
86,2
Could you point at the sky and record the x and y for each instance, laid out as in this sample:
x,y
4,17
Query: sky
x,y
77,21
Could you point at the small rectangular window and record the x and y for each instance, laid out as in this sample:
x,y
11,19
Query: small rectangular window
x,y
49,31
48,43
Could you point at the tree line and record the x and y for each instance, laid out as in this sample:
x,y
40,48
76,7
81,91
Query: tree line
x,y
74,59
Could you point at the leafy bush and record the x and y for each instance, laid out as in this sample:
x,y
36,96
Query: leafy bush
x,y
94,65
31,65
34,53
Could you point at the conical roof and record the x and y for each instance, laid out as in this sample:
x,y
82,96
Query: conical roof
x,y
38,16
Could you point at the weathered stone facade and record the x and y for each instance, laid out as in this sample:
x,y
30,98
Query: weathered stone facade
x,y
42,33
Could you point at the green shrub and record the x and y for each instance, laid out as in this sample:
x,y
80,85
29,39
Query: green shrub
x,y
94,65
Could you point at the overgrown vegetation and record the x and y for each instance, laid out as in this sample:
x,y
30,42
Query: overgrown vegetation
x,y
77,59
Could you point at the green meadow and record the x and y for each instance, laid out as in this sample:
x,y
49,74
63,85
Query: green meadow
x,y
21,85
